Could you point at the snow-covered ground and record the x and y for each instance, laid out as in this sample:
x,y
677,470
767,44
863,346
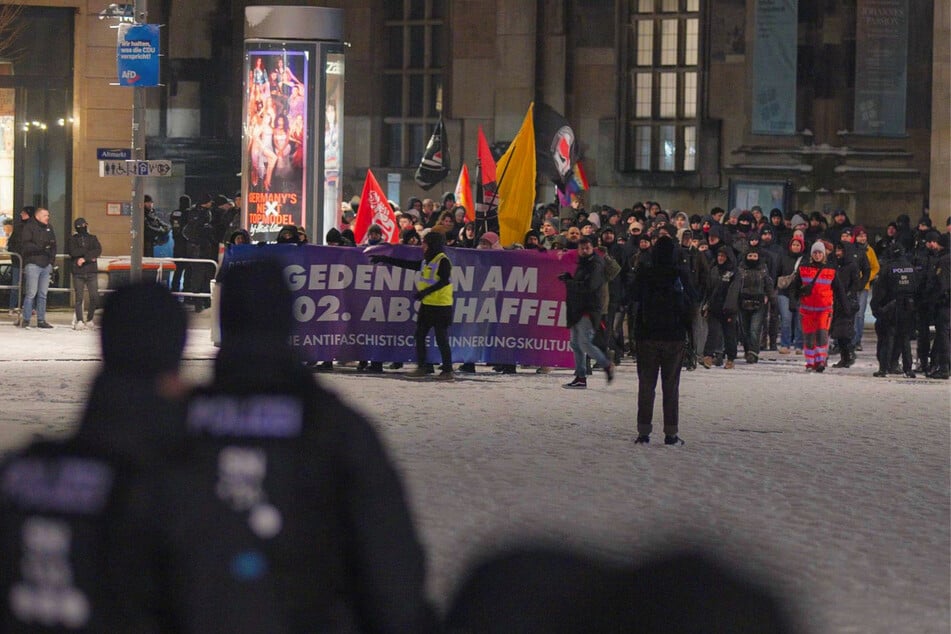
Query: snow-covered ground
x,y
836,486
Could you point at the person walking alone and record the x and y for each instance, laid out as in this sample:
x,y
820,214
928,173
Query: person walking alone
x,y
584,312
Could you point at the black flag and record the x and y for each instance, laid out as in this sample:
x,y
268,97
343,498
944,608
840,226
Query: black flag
x,y
486,204
555,149
434,166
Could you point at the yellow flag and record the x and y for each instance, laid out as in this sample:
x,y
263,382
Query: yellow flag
x,y
515,172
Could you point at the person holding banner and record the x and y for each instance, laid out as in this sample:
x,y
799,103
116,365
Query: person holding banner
x,y
434,292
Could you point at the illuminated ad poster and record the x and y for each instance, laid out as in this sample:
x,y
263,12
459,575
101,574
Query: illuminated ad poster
x,y
333,140
277,131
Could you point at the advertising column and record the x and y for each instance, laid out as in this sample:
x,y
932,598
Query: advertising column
x,y
293,89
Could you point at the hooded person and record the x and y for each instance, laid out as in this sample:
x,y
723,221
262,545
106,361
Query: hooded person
x,y
288,235
665,297
285,509
64,503
84,251
490,240
756,287
720,307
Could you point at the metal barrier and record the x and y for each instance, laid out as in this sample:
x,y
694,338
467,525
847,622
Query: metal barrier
x,y
62,258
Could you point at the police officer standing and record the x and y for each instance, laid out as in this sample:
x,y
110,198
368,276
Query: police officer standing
x,y
285,514
893,304
60,501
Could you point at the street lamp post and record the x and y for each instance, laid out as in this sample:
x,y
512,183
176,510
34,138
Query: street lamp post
x,y
140,14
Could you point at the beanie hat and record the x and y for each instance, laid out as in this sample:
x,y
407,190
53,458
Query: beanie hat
x,y
255,303
776,211
143,330
797,220
735,212
818,246
924,220
147,198
857,229
333,236
492,238
79,222
932,236
288,235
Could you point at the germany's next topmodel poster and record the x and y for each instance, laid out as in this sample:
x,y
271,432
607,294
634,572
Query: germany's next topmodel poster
x,y
277,130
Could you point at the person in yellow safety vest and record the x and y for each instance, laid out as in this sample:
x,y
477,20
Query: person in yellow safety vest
x,y
434,292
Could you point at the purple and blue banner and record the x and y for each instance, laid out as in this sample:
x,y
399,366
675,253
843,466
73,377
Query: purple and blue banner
x,y
137,55
509,306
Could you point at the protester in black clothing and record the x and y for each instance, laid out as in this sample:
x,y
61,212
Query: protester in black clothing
x,y
893,305
846,303
285,514
697,266
890,237
720,307
434,292
665,296
921,258
756,287
84,249
62,502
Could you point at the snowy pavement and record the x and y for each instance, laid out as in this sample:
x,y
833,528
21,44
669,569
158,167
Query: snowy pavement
x,y
836,486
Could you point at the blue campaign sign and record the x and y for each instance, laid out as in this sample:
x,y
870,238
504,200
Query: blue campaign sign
x,y
115,154
137,55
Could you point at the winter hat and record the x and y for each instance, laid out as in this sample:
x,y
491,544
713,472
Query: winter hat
x,y
492,238
925,220
288,235
857,229
797,220
408,234
775,211
255,304
143,330
221,200
818,246
735,213
838,212
147,198
184,202
594,219
80,222
333,236
932,236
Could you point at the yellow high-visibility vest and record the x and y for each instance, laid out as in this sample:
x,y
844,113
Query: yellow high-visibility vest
x,y
427,277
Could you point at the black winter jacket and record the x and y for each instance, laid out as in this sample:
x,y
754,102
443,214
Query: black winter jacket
x,y
38,243
84,245
584,290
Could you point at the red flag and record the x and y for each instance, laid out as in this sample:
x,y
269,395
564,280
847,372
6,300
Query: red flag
x,y
486,162
464,193
374,209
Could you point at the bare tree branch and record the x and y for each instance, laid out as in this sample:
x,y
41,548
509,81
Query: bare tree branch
x,y
11,28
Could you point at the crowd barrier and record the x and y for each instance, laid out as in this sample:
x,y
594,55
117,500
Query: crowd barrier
x,y
110,267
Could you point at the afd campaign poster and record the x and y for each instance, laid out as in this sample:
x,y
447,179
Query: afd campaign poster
x,y
509,306
277,135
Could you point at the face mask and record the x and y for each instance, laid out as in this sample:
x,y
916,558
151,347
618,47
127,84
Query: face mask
x,y
82,230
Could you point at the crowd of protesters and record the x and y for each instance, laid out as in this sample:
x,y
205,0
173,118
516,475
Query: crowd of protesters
x,y
791,283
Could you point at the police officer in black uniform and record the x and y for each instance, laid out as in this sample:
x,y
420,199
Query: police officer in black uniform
x,y
893,304
286,515
60,501
177,220
939,283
